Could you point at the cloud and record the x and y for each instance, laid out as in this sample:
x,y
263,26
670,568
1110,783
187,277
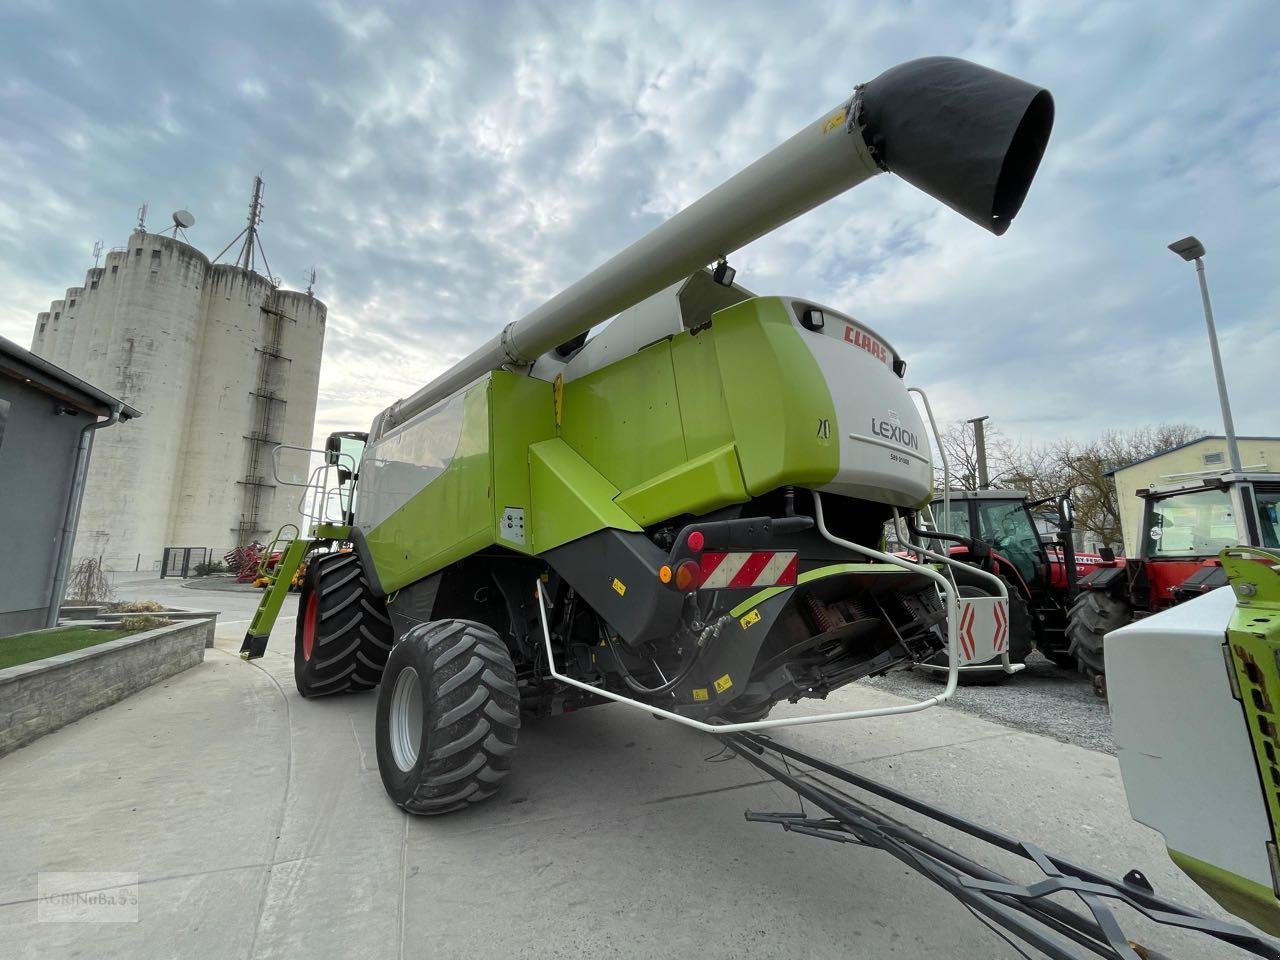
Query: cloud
x,y
447,170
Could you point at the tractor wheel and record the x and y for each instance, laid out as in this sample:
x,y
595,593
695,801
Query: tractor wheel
x,y
343,634
1021,634
1060,658
448,716
1094,615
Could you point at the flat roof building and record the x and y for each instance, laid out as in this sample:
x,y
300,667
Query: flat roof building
x,y
48,420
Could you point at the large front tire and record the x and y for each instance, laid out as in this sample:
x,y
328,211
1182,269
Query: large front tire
x,y
448,717
343,633
1094,614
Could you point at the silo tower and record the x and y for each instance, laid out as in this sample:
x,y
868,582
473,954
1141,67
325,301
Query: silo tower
x,y
223,364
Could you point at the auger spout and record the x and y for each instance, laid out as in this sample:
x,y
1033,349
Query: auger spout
x,y
968,136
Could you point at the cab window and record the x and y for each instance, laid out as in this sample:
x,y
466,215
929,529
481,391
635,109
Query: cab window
x,y
1007,527
1195,524
1268,521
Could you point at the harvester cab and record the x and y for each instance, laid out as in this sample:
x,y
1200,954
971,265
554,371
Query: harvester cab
x,y
1185,526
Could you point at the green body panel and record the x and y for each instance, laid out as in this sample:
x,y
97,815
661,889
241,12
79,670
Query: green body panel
x,y
1253,640
521,414
571,499
625,419
1238,895
686,425
451,517
700,485
776,395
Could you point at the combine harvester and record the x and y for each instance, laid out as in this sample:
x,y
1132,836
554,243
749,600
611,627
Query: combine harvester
x,y
683,513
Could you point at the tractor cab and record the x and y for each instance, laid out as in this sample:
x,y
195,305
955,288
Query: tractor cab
x,y
1002,520
1187,524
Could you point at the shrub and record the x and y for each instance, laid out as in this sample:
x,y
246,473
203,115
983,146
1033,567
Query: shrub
x,y
204,569
138,606
143,622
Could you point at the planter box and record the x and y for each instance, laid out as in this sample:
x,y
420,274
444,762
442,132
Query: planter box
x,y
169,613
38,698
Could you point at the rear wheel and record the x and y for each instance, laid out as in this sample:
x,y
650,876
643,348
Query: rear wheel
x,y
343,634
448,717
1094,614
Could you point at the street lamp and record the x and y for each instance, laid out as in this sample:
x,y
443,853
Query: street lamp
x,y
1189,248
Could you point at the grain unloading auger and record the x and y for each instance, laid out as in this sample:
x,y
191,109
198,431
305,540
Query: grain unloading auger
x,y
683,513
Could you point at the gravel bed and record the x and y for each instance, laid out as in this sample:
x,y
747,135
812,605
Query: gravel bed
x,y
1042,699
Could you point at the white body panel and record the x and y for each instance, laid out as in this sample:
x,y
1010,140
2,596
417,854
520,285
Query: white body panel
x,y
1185,754
884,449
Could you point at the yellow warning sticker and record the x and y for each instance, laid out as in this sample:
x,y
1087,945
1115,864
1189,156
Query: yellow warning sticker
x,y
557,395
752,617
700,693
724,683
619,587
833,121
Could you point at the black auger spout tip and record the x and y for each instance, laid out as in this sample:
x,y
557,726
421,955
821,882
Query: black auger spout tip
x,y
966,135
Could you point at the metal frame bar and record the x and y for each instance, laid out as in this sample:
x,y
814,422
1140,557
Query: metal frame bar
x,y
950,597
1022,910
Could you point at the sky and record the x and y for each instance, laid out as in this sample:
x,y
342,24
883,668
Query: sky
x,y
446,167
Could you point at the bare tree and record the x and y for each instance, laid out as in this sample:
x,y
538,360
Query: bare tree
x,y
88,581
1085,468
962,456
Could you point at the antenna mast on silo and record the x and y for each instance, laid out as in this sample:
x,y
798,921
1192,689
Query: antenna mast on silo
x,y
311,283
142,216
251,249
97,253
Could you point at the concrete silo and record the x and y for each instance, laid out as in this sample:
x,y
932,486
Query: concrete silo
x,y
223,366
146,349
259,374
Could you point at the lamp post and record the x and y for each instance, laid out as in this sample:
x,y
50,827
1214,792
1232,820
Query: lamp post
x,y
1189,248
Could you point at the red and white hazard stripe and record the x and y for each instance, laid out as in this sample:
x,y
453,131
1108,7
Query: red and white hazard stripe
x,y
758,568
967,644
1002,628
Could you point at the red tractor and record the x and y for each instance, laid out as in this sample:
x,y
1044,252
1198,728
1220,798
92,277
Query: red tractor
x,y
1185,525
995,531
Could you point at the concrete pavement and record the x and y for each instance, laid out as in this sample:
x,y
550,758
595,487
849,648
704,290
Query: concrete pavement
x,y
258,826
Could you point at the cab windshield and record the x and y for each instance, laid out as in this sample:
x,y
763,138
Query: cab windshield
x,y
1006,525
1194,524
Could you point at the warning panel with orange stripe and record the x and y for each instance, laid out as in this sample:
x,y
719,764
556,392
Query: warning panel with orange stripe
x,y
755,568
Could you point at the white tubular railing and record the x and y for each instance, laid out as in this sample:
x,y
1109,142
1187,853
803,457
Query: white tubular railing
x,y
942,455
1002,590
953,605
317,493
945,527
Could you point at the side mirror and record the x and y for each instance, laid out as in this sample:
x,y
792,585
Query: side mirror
x,y
1066,511
344,476
332,447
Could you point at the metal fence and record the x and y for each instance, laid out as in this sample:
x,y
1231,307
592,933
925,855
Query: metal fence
x,y
182,561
